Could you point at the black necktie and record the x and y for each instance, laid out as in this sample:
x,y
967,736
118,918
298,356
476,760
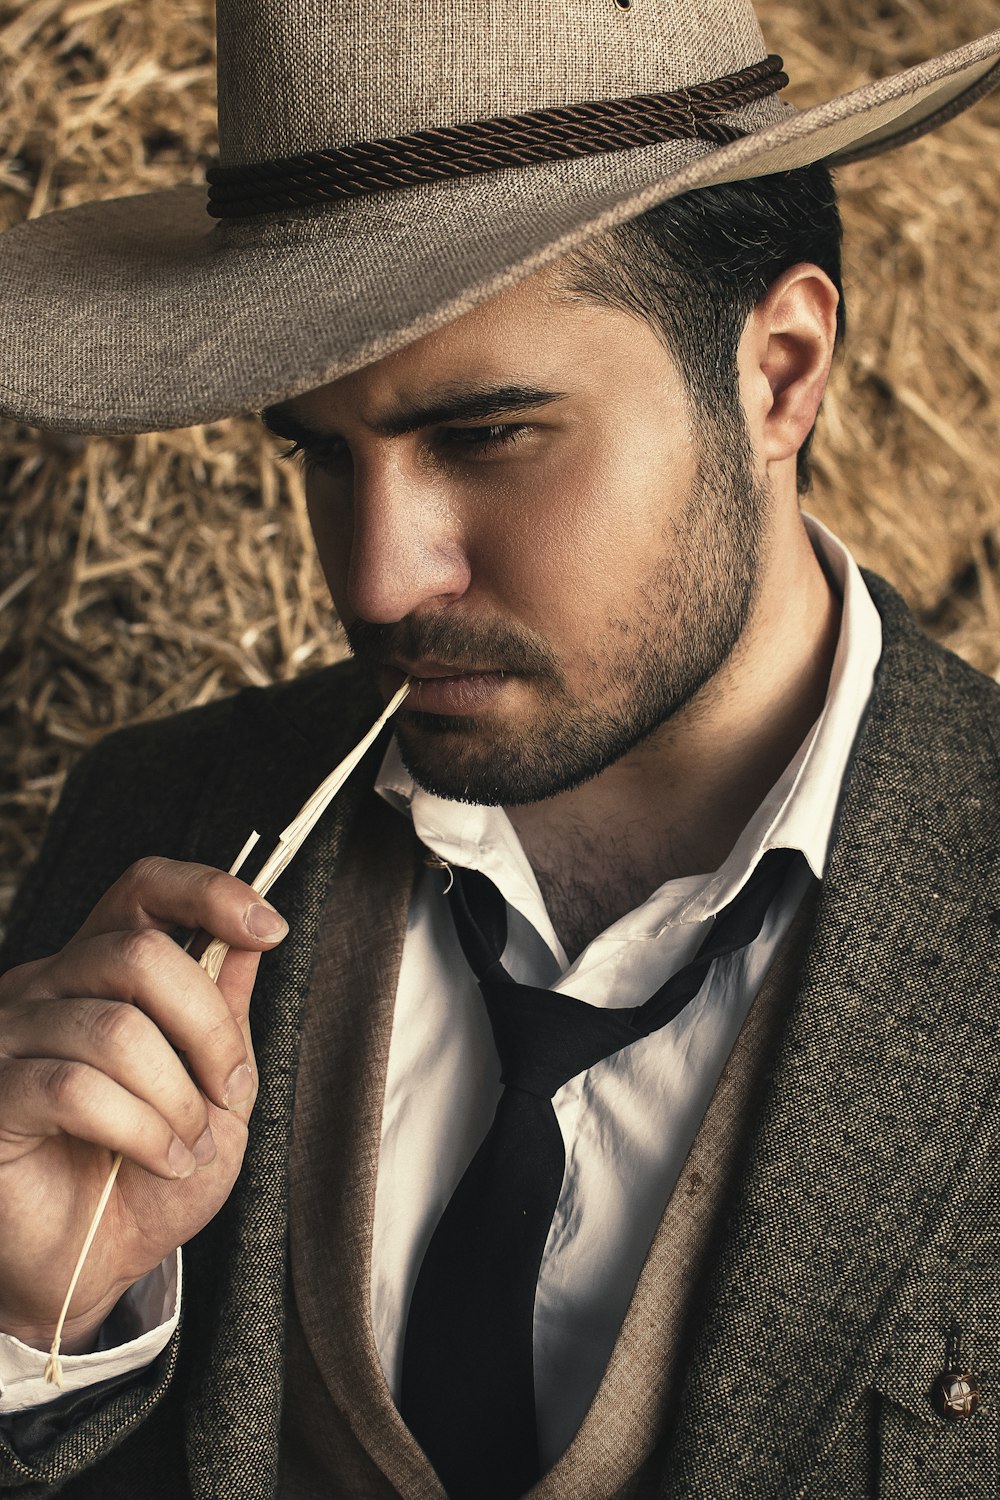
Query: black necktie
x,y
467,1389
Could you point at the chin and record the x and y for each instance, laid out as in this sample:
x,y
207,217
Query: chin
x,y
458,759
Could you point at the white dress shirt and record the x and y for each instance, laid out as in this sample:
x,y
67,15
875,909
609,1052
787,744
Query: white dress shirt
x,y
627,1123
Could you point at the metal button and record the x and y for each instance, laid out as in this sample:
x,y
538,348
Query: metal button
x,y
955,1395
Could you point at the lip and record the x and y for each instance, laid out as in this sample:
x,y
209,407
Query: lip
x,y
439,689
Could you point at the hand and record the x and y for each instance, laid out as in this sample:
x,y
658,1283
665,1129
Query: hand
x,y
121,1042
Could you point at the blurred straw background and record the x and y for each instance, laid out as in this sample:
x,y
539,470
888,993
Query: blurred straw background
x,y
142,575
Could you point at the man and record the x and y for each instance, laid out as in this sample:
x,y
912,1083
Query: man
x,y
708,768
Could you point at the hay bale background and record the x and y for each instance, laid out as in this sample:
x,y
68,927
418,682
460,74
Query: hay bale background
x,y
141,575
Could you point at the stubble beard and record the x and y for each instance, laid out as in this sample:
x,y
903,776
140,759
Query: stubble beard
x,y
683,628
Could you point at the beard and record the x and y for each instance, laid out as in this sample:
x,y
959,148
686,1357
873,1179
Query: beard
x,y
683,626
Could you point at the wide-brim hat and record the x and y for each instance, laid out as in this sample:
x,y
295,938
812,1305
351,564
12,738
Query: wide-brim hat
x,y
384,169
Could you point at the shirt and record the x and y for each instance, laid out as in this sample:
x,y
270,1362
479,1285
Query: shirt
x,y
627,1123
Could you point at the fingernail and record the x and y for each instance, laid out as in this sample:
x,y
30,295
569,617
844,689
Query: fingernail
x,y
239,1087
203,1149
264,922
179,1159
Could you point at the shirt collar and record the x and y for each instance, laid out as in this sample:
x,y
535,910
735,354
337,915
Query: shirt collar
x,y
797,813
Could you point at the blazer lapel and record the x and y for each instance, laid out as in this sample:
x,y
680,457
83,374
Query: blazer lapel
x,y
850,1169
280,748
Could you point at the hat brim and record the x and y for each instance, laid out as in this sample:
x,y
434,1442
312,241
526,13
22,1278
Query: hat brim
x,y
141,314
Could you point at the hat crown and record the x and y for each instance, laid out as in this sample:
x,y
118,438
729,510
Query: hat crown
x,y
303,75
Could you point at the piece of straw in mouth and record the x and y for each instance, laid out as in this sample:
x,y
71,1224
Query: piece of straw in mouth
x,y
289,843
291,839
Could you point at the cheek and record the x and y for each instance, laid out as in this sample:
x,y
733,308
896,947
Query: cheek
x,y
538,538
583,539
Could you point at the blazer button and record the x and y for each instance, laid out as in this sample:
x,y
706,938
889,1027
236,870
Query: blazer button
x,y
955,1395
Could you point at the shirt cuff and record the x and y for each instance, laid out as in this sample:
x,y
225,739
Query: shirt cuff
x,y
138,1328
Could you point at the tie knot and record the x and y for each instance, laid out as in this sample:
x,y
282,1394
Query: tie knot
x,y
545,1038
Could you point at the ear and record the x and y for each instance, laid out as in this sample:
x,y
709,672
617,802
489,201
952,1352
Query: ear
x,y
784,359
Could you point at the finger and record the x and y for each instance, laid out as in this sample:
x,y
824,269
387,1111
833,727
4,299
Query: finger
x,y
46,1097
235,982
124,1044
167,893
147,969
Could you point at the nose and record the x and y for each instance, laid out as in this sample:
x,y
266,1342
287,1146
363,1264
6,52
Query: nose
x,y
407,550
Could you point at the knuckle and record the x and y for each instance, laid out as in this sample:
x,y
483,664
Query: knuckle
x,y
144,871
195,1115
219,1051
132,887
114,1026
220,1034
13,981
180,1106
146,949
218,887
66,1086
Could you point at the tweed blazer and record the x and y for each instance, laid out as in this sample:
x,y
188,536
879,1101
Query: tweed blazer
x,y
864,1224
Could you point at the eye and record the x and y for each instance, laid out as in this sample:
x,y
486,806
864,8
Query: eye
x,y
327,456
469,442
485,440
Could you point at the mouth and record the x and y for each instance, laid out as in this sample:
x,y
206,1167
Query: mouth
x,y
444,688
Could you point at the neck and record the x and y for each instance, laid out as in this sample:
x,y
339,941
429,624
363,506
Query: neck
x,y
678,802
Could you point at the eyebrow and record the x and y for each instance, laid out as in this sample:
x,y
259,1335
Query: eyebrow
x,y
461,403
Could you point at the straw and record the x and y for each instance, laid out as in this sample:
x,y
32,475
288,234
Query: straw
x,y
290,841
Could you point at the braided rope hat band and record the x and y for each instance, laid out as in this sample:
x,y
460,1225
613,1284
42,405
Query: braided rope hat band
x,y
490,145
383,171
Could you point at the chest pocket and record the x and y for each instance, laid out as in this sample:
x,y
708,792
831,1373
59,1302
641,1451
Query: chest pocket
x,y
950,1320
922,1456
893,1444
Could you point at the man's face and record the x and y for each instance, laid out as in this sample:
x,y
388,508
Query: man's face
x,y
522,512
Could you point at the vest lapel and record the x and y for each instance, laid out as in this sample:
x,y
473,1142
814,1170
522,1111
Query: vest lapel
x,y
616,1453
851,1171
336,1142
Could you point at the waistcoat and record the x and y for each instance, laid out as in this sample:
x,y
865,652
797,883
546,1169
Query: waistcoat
x,y
341,1433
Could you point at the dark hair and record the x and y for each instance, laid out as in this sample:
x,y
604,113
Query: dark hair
x,y
695,267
